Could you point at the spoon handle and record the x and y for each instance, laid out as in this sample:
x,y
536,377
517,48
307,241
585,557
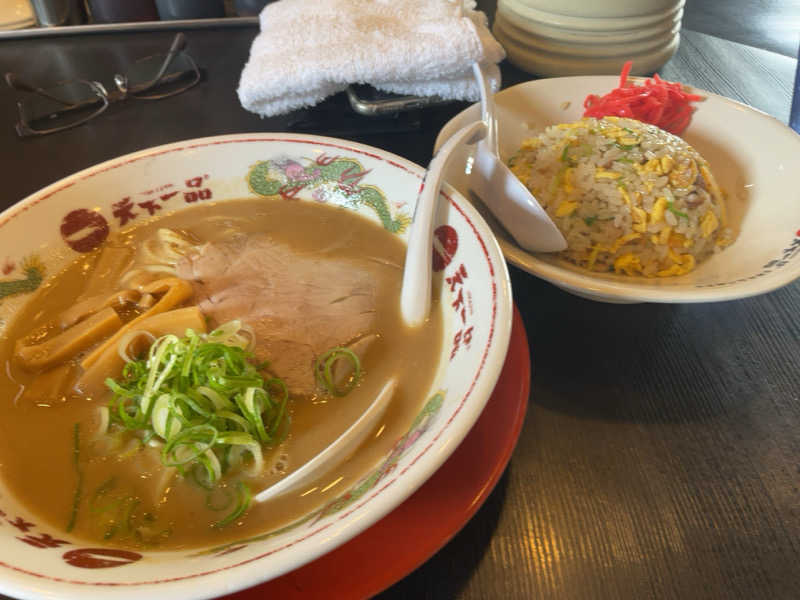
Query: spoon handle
x,y
415,296
487,108
338,450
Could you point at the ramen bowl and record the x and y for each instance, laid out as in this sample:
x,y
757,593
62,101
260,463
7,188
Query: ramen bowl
x,y
752,155
63,222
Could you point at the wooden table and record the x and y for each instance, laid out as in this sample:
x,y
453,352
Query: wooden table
x,y
660,457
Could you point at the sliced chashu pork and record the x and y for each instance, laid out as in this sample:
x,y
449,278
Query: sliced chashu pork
x,y
299,305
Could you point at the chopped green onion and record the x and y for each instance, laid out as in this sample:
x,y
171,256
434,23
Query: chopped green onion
x,y
207,464
103,489
188,445
671,208
128,506
582,151
251,407
76,497
243,497
590,220
198,397
282,406
239,420
324,370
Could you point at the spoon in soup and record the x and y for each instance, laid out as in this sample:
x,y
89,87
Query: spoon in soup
x,y
493,182
337,451
415,306
415,294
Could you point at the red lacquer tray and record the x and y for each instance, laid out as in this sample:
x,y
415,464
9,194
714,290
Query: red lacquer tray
x,y
434,514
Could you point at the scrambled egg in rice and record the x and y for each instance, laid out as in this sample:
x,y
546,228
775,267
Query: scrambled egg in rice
x,y
629,197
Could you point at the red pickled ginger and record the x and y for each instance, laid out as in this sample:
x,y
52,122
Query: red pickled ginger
x,y
658,102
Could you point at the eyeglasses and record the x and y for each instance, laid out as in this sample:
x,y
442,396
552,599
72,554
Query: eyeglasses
x,y
72,103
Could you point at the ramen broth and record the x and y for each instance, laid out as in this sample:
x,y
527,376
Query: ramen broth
x,y
121,484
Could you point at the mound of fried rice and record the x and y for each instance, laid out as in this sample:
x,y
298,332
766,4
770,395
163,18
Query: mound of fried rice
x,y
629,197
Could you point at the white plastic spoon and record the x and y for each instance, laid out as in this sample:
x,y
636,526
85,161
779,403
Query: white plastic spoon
x,y
415,296
337,451
502,192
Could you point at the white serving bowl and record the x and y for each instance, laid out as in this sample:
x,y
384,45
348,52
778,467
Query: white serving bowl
x,y
16,14
754,157
600,15
38,560
528,31
552,39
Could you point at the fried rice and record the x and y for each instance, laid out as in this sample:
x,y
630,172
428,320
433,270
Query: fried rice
x,y
628,197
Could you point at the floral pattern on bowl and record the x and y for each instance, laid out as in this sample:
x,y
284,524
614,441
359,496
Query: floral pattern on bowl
x,y
77,214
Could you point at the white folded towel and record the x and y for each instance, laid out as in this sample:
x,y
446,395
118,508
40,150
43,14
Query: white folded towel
x,y
309,50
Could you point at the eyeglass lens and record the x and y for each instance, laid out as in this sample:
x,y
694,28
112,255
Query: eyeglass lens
x,y
62,106
71,103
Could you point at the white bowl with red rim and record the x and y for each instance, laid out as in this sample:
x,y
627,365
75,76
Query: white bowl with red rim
x,y
42,233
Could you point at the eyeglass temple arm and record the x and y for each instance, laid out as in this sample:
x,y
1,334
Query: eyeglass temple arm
x,y
14,81
178,45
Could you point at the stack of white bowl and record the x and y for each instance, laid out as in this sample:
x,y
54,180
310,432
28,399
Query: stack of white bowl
x,y
552,38
16,14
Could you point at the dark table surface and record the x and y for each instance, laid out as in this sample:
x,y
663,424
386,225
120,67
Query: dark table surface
x,y
665,462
